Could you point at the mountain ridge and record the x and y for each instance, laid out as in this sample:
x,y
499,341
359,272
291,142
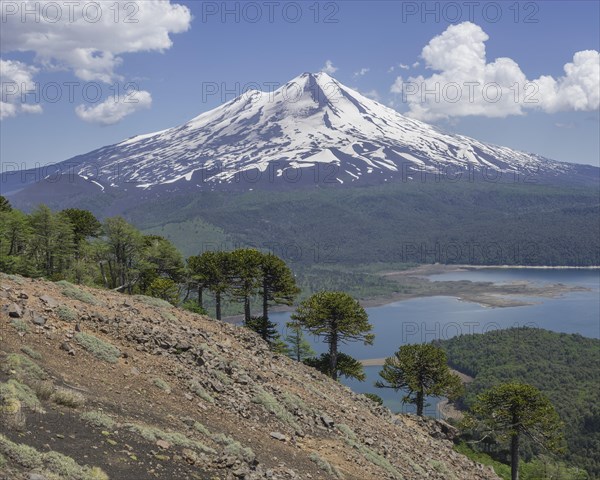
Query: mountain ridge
x,y
312,124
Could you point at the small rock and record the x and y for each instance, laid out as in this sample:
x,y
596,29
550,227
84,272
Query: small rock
x,y
190,456
23,295
36,476
38,320
14,311
327,421
49,301
67,347
163,444
279,436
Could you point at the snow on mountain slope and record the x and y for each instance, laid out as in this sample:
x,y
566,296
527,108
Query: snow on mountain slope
x,y
311,121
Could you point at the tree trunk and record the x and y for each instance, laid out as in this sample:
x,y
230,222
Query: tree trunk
x,y
420,402
514,456
200,299
247,308
333,352
265,300
218,305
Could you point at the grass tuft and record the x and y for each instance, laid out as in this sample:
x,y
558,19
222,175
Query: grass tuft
x,y
153,301
160,383
71,291
99,348
270,403
66,314
68,398
98,419
20,325
30,352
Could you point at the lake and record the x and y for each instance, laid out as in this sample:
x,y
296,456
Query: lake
x,y
426,319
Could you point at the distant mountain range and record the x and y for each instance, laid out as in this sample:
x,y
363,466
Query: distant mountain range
x,y
312,130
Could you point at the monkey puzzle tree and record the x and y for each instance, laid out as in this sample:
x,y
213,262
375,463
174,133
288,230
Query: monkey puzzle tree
x,y
277,283
422,370
512,411
338,318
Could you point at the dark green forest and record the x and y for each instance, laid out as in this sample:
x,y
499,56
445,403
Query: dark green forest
x,y
565,367
489,224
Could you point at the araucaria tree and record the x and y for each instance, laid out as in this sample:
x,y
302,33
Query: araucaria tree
x,y
277,283
511,411
337,318
422,370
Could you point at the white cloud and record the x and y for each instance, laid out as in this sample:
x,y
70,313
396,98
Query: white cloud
x,y
114,109
7,110
68,37
403,66
362,72
329,68
466,84
16,78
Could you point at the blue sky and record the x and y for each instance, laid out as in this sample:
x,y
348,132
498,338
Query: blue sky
x,y
175,56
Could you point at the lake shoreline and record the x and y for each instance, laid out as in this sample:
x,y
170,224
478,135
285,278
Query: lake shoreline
x,y
414,283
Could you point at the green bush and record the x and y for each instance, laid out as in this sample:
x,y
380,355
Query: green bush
x,y
66,314
152,434
192,306
30,352
68,398
325,465
196,388
71,291
51,462
270,403
98,419
153,301
99,348
23,367
20,325
160,383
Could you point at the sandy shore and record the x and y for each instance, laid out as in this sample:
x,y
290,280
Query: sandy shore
x,y
414,283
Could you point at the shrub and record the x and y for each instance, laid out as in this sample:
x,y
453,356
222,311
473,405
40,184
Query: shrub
x,y
51,462
160,383
14,390
325,465
43,389
201,428
152,434
23,367
68,398
192,306
236,449
99,348
98,419
71,291
66,314
20,325
30,352
153,301
270,403
196,388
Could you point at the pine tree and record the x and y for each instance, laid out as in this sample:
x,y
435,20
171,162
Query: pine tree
x,y
299,348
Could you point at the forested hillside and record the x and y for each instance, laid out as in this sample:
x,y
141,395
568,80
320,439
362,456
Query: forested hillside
x,y
564,367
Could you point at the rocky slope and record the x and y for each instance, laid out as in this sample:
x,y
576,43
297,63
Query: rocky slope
x,y
103,385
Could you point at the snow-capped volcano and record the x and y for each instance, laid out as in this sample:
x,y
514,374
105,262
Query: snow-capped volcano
x,y
312,124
